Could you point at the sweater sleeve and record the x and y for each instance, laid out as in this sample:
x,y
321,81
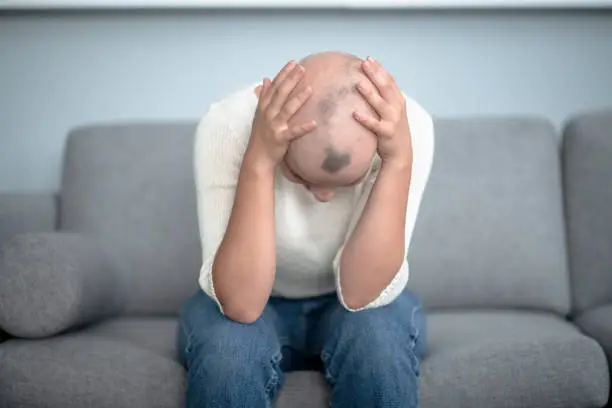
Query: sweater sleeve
x,y
422,133
217,155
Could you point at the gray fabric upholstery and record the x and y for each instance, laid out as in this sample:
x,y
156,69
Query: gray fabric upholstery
x,y
133,186
597,323
75,371
50,282
301,389
587,154
475,359
26,212
511,359
85,371
304,389
157,334
490,231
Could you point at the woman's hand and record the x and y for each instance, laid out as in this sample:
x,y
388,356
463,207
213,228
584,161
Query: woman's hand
x,y
271,133
391,127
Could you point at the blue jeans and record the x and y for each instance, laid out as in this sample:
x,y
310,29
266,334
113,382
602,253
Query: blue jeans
x,y
370,358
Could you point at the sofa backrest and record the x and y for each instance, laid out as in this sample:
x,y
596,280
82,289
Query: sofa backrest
x,y
133,185
490,231
587,167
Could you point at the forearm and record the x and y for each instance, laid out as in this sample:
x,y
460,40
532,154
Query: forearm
x,y
375,250
245,264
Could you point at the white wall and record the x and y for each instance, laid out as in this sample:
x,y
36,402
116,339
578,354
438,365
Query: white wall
x,y
61,69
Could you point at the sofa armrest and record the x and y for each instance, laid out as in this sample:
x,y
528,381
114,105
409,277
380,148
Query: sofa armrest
x,y
597,323
52,282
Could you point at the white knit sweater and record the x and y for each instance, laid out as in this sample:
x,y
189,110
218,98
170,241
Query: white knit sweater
x,y
310,235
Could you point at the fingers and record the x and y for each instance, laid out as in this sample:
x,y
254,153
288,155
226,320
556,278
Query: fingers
x,y
280,77
284,72
301,130
371,95
283,89
294,104
372,124
262,91
383,81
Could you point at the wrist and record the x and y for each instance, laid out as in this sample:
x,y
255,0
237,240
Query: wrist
x,y
397,165
257,163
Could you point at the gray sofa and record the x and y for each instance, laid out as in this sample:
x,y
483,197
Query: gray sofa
x,y
512,256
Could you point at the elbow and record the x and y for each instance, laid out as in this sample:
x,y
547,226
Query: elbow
x,y
355,304
242,317
242,314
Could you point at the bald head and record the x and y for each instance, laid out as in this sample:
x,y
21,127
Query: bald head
x,y
339,151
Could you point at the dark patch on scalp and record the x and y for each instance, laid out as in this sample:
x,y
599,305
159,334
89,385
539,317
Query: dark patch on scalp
x,y
328,104
327,107
342,92
335,161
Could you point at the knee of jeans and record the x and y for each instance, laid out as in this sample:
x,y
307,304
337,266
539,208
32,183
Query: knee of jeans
x,y
372,322
377,334
232,354
231,338
203,329
372,353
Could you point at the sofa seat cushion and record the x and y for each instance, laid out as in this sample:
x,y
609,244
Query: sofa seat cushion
x,y
156,334
475,359
75,371
304,389
511,359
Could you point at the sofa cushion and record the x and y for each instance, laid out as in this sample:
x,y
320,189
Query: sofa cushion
x,y
475,359
490,231
51,282
156,334
511,359
133,186
303,389
597,323
587,175
75,371
85,371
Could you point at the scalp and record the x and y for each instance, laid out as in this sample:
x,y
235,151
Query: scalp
x,y
339,142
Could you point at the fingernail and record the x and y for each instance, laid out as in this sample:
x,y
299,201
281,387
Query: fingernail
x,y
370,59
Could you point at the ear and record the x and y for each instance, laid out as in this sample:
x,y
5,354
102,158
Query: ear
x,y
257,90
